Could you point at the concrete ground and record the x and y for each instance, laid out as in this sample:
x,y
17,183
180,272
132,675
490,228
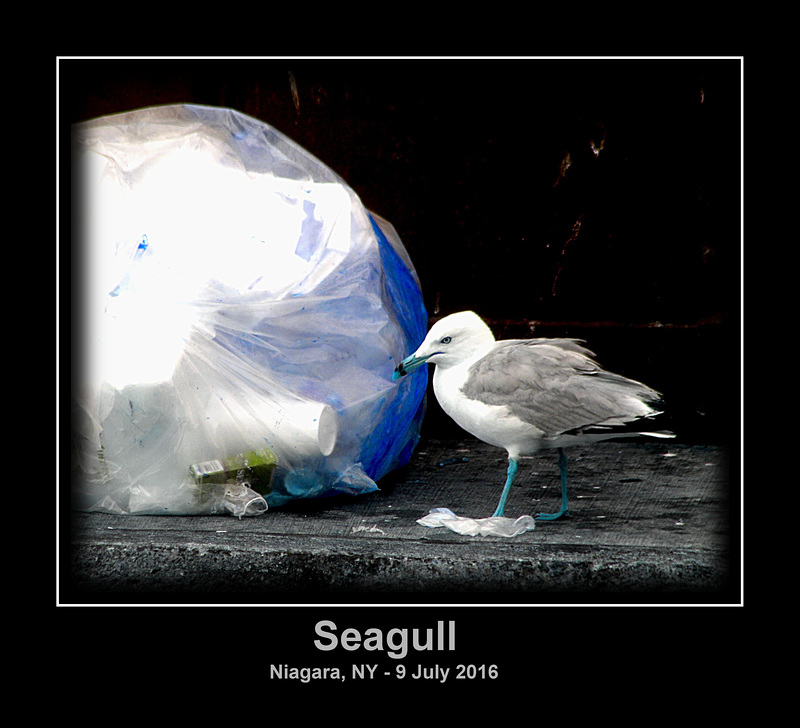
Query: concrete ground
x,y
652,522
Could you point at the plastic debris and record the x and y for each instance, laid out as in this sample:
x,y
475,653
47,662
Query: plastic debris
x,y
237,298
492,526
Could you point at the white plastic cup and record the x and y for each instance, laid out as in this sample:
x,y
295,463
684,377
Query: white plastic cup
x,y
305,429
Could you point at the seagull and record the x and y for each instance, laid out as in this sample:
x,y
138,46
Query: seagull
x,y
525,395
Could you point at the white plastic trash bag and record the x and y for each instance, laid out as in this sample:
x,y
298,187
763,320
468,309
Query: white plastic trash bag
x,y
241,316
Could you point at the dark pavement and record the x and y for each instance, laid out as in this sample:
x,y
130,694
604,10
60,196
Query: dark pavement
x,y
652,522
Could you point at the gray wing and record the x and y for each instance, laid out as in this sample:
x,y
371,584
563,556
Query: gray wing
x,y
555,385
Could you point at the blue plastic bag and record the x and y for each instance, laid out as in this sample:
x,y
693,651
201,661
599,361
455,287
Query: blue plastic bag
x,y
238,299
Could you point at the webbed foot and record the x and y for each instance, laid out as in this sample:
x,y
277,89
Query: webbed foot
x,y
552,516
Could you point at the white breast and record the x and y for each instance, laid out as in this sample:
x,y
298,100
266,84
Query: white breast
x,y
493,424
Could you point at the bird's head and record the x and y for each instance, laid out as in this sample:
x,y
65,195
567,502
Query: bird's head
x,y
454,339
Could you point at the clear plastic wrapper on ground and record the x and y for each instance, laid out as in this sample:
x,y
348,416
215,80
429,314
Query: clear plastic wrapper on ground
x,y
236,298
491,526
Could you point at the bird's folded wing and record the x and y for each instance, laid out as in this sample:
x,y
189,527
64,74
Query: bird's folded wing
x,y
555,385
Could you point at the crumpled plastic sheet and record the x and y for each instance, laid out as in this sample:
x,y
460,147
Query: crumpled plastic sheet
x,y
235,293
491,526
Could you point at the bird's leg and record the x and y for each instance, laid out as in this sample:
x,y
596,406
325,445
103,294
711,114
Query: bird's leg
x,y
512,471
562,466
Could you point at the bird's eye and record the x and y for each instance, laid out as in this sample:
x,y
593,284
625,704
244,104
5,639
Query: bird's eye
x,y
446,340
